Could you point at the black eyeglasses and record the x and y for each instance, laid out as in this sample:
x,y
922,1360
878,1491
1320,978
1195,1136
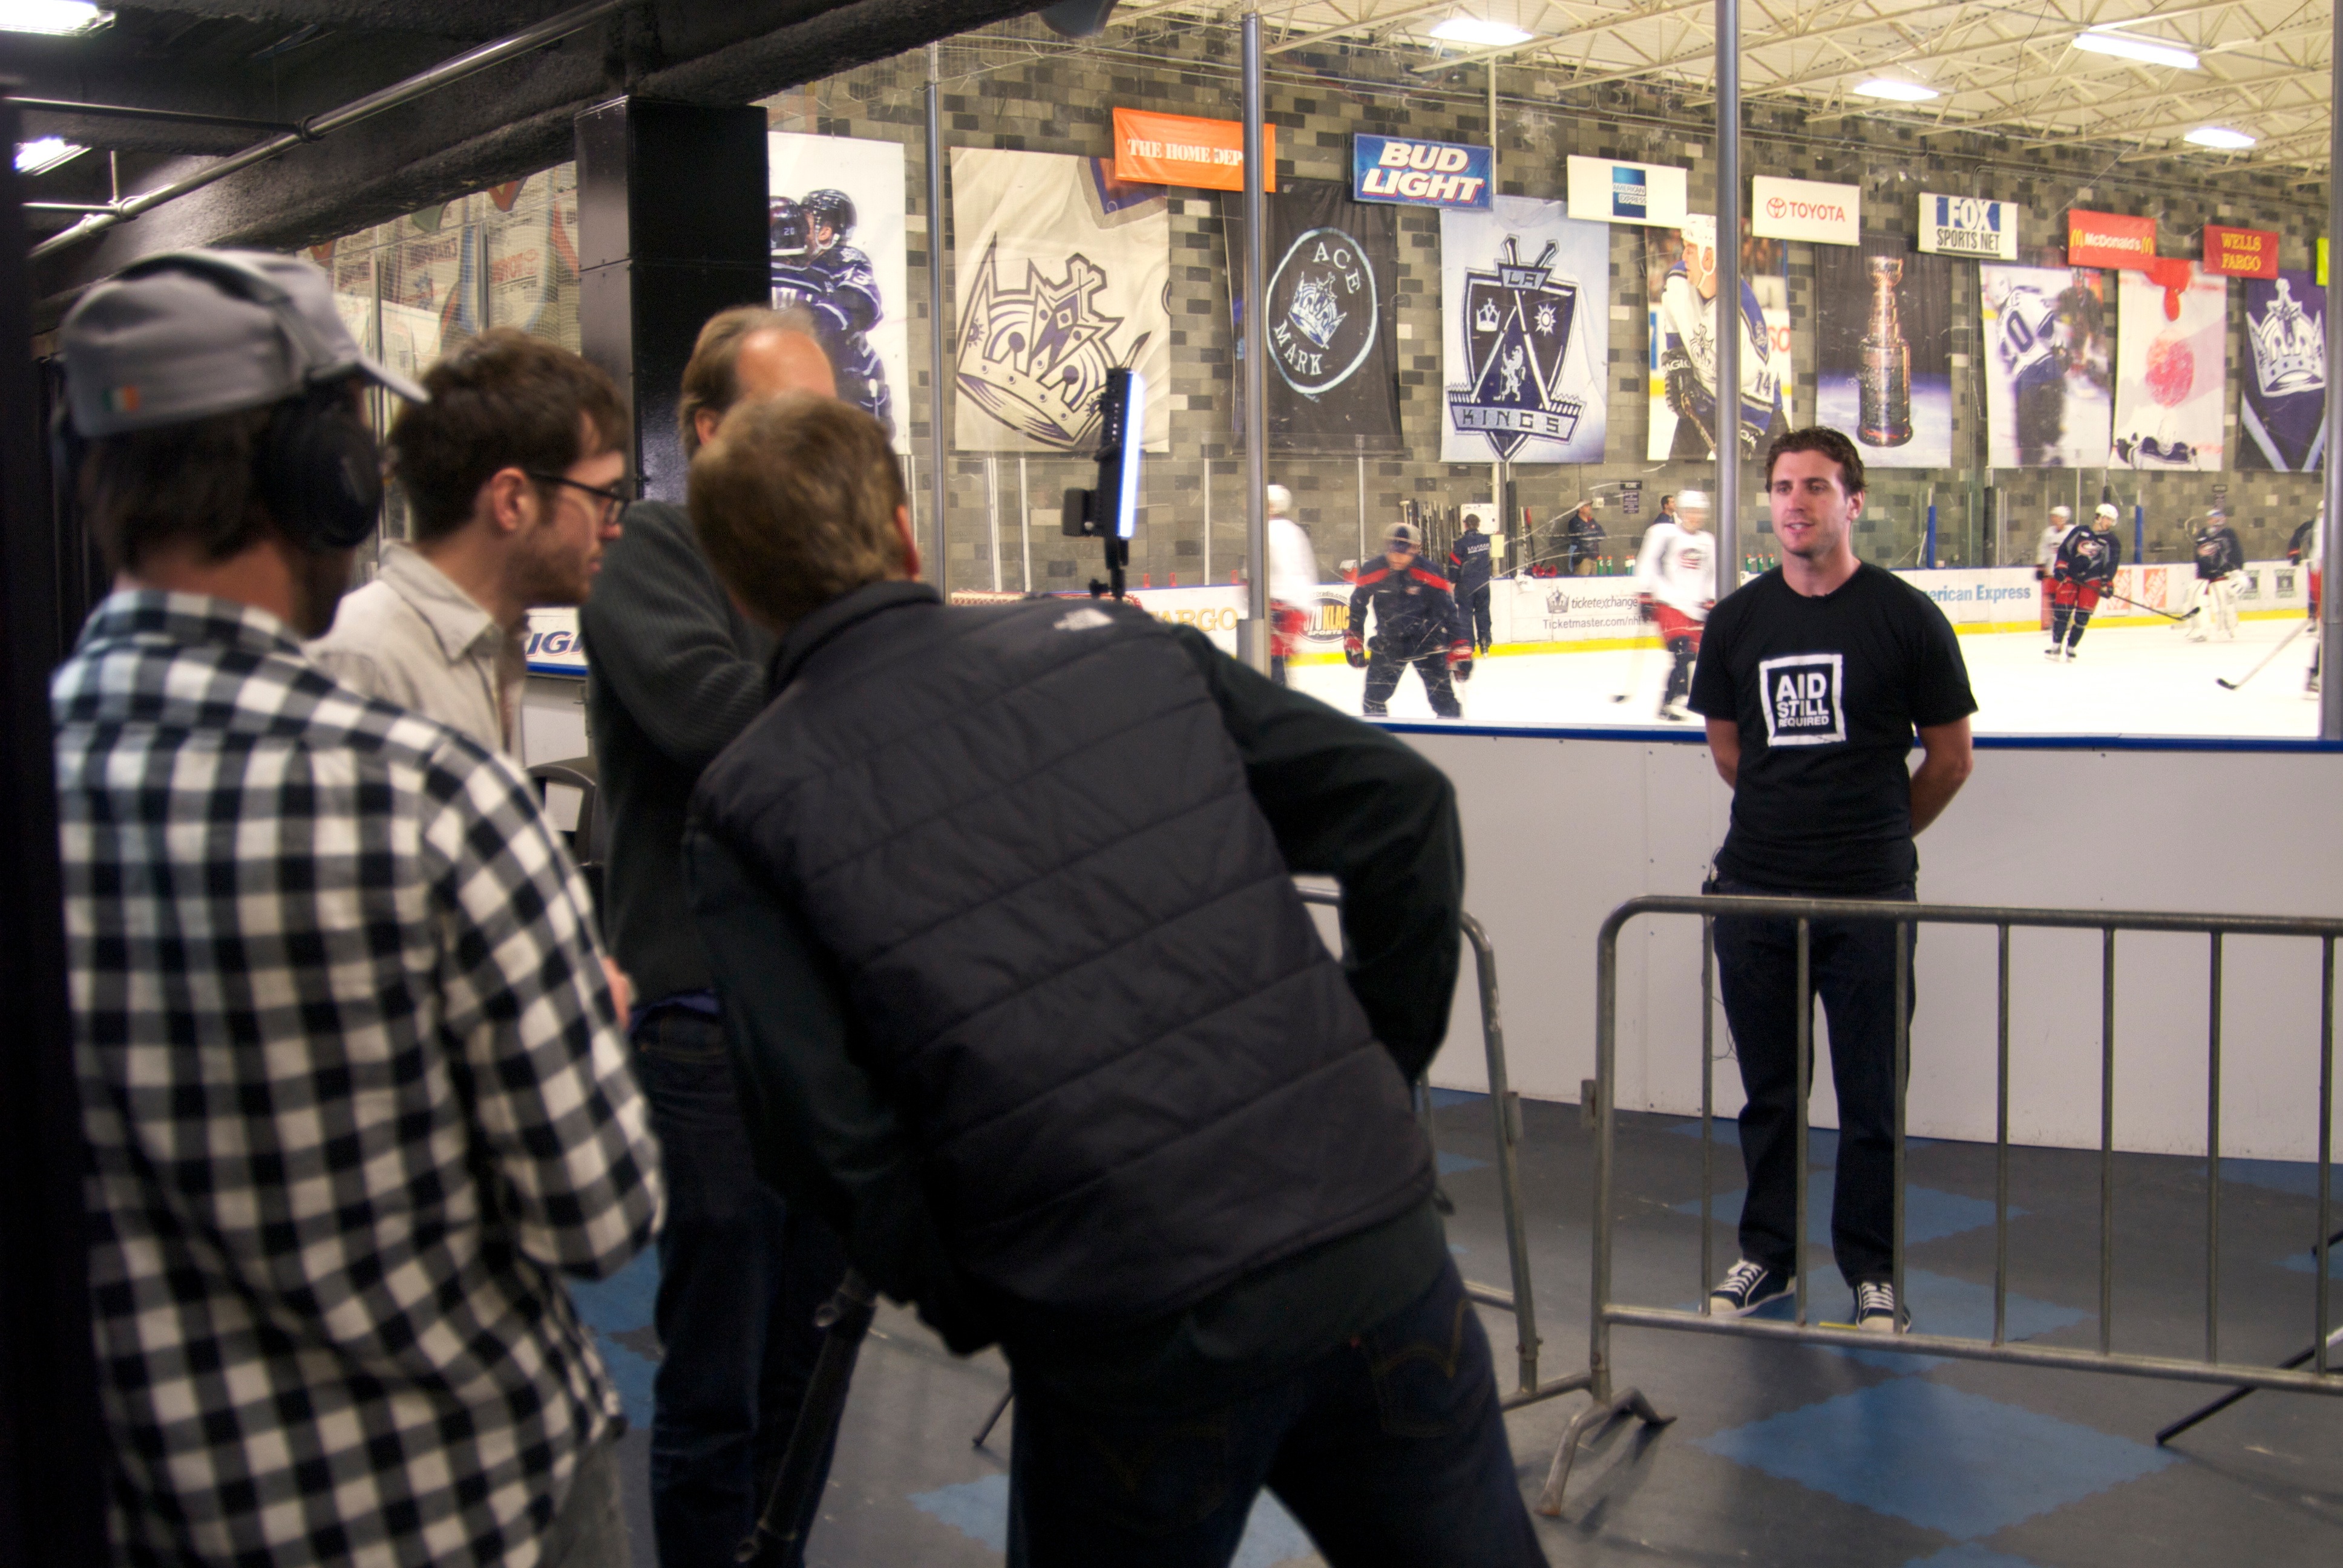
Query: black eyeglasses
x,y
614,499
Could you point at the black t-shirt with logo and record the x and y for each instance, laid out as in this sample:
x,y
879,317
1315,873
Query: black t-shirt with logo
x,y
1827,692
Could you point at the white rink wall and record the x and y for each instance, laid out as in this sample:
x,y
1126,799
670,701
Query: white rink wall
x,y
1559,832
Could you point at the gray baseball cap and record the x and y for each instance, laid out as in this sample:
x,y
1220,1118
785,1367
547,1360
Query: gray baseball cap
x,y
190,333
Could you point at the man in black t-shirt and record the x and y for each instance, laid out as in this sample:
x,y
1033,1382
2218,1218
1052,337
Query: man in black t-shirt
x,y
1812,678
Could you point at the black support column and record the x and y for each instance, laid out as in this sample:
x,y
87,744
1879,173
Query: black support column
x,y
672,228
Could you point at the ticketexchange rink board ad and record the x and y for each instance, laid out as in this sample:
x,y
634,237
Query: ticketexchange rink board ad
x,y
837,252
1525,334
1884,352
1062,273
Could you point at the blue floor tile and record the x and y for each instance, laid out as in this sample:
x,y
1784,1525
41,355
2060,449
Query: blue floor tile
x,y
1968,1555
1928,1215
979,1511
1450,1164
1443,1098
2297,1177
632,1373
1963,1309
2308,1263
1940,1457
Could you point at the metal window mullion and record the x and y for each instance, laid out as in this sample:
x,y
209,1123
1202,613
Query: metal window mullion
x,y
1806,1031
1707,1106
2001,1146
2326,1138
2213,1158
2106,1138
1903,1082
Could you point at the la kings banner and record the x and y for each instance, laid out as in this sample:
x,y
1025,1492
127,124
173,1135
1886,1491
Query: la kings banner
x,y
1525,333
836,210
1330,316
1063,274
2282,405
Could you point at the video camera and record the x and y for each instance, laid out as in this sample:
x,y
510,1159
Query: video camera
x,y
1111,512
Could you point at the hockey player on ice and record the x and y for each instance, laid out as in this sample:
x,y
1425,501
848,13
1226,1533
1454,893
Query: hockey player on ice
x,y
2084,569
2316,559
814,267
1469,560
2046,554
1292,580
1417,622
1675,583
1688,353
2213,595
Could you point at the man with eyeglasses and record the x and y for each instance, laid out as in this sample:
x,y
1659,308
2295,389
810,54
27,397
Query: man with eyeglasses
x,y
512,475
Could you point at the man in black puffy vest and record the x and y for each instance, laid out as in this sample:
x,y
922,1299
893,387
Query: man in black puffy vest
x,y
1000,903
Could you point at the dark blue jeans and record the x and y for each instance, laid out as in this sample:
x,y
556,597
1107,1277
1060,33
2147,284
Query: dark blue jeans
x,y
1390,1450
740,1276
1852,964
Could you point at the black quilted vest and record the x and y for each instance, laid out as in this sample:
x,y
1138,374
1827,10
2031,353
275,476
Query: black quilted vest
x,y
1071,948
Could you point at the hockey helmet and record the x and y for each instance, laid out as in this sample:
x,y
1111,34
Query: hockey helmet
x,y
1403,534
1280,500
2067,512
2107,509
790,229
832,210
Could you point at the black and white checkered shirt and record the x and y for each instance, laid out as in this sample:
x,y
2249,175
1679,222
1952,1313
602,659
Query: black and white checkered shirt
x,y
357,1099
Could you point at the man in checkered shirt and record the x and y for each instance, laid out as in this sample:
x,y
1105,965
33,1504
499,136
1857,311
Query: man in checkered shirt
x,y
351,1066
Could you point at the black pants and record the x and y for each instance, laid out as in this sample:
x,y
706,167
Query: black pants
x,y
1385,669
741,1274
1476,606
1852,965
1682,651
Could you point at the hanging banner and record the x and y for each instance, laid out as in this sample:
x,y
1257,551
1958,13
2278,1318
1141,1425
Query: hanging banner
x,y
2169,381
2282,406
1679,280
1155,149
2047,367
1330,319
1969,225
1525,334
1805,209
2109,240
1607,191
838,250
1063,273
430,294
1420,174
1883,353
2240,252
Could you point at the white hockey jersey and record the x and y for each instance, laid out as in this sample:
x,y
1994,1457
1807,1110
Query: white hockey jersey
x,y
2046,554
1293,563
1678,567
2025,335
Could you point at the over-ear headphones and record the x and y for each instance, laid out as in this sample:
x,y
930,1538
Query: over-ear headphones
x,y
317,466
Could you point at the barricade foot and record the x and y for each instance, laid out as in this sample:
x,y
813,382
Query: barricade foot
x,y
1600,1413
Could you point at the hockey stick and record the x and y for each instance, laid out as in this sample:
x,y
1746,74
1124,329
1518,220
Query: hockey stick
x,y
2149,608
2273,653
1634,666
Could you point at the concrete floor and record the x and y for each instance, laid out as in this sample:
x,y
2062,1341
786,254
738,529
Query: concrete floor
x,y
1779,1454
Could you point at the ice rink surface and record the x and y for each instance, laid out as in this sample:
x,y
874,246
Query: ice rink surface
x,y
2126,680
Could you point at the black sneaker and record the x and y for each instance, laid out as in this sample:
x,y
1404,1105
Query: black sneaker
x,y
1747,1286
1376,711
1876,1309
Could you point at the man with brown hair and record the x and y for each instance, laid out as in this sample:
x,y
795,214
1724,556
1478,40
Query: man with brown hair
x,y
675,672
352,1076
1023,1001
511,472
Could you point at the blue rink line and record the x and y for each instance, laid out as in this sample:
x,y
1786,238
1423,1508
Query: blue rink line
x,y
979,1511
1940,1457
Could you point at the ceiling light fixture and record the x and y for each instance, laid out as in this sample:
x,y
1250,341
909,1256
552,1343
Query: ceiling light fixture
x,y
1475,30
40,157
2221,137
1895,91
51,17
2125,47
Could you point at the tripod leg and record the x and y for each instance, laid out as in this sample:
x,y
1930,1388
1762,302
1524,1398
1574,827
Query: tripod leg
x,y
847,1318
999,1409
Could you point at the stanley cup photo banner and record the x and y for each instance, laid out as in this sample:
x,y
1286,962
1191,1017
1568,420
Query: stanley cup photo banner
x,y
2048,366
1883,353
1525,333
1329,318
2170,386
837,207
1062,272
2282,406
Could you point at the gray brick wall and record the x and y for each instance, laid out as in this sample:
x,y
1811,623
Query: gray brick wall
x,y
1014,86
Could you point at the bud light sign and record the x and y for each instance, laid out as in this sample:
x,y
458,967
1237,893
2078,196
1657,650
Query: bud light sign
x,y
1419,174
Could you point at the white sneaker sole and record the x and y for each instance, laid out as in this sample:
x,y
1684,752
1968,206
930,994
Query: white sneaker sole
x,y
1723,1307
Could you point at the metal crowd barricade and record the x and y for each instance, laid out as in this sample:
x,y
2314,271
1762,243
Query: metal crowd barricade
x,y
1605,1312
1505,1108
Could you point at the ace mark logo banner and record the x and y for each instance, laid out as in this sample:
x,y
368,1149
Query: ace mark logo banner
x,y
1328,314
1322,311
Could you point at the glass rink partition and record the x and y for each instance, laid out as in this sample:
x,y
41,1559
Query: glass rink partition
x,y
1489,292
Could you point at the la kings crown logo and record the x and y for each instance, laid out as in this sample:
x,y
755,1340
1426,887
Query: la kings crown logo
x,y
1036,358
1322,311
1518,325
2289,346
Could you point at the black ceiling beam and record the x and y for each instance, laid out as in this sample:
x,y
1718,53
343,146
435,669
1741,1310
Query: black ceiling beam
x,y
514,120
